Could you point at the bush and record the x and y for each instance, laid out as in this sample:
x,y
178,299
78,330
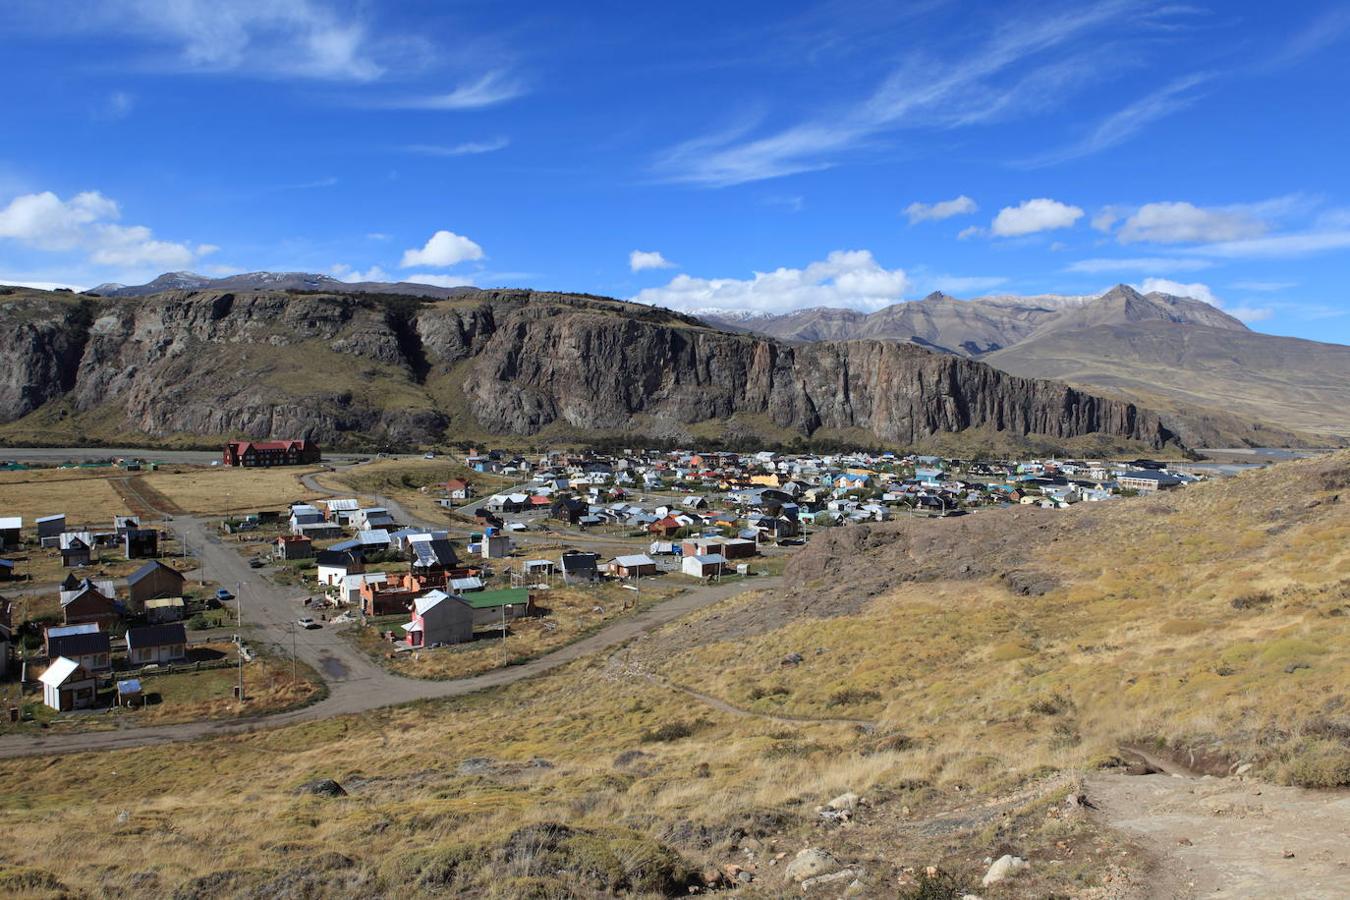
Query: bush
x,y
670,731
852,697
199,622
1318,764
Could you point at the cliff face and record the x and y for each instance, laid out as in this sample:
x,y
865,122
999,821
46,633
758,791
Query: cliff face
x,y
366,370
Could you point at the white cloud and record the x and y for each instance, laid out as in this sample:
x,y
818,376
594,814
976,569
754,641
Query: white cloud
x,y
1127,122
40,285
1203,293
468,148
1032,216
1139,264
847,278
1107,217
943,209
489,90
446,281
1194,290
1283,246
87,223
298,38
648,259
1180,222
346,273
444,248
1264,286
971,231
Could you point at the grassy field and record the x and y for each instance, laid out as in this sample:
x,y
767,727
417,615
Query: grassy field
x,y
412,483
217,491
190,696
572,613
84,495
1215,620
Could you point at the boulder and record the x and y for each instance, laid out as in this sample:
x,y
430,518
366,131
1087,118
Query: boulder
x,y
810,863
1006,866
322,787
846,801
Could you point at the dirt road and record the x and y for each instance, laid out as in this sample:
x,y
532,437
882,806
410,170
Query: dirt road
x,y
1230,838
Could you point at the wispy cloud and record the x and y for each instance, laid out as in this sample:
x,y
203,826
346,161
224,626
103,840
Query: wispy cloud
x,y
1282,246
294,38
1325,31
468,148
927,92
491,89
1126,123
943,209
1138,264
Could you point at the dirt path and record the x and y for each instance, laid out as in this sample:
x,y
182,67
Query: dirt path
x,y
1230,838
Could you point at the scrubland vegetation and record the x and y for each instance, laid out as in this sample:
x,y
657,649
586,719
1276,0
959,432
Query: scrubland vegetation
x,y
1210,626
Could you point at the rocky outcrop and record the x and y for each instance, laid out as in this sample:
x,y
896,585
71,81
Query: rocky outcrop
x,y
364,369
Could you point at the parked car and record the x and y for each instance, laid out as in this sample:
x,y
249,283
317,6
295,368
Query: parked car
x,y
223,595
429,455
256,563
306,622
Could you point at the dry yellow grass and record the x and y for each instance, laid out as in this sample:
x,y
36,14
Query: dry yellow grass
x,y
84,495
218,491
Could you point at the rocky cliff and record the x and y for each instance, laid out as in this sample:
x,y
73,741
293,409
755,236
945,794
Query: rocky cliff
x,y
367,370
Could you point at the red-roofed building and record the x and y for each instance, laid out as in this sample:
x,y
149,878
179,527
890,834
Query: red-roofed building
x,y
271,453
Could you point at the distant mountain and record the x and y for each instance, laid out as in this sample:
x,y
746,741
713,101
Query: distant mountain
x,y
1164,352
273,281
984,325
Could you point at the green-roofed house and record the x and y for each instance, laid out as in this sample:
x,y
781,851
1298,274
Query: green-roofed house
x,y
488,606
441,618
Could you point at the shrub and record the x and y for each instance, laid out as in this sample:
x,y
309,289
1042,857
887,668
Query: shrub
x,y
670,731
1318,764
199,622
852,697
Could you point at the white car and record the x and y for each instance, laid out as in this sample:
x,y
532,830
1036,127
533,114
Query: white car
x,y
307,622
429,455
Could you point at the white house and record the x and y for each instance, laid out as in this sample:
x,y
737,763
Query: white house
x,y
704,565
66,685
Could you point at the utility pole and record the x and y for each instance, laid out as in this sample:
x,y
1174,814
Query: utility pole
x,y
294,679
239,600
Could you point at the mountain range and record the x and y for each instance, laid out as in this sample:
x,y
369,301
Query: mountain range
x,y
292,354
1170,353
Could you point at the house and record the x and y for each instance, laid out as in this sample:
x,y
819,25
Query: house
x,y
154,579
157,644
1147,481
340,510
164,609
638,565
428,552
11,531
85,644
739,548
495,546
374,540
439,618
304,514
271,453
122,523
77,548
466,585
701,546
383,596
334,565
578,566
352,588
66,686
666,527
90,601
492,607
704,565
6,570
537,567
319,531
459,489
140,543
49,529
372,519
294,546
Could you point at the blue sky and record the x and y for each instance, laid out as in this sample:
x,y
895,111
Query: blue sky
x,y
754,156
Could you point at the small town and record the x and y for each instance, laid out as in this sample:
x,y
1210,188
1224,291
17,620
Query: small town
x,y
447,565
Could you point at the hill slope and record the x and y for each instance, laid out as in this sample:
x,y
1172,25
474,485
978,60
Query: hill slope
x,y
1300,384
957,675
381,369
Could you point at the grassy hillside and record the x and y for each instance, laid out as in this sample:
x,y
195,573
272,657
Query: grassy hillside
x,y
957,674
